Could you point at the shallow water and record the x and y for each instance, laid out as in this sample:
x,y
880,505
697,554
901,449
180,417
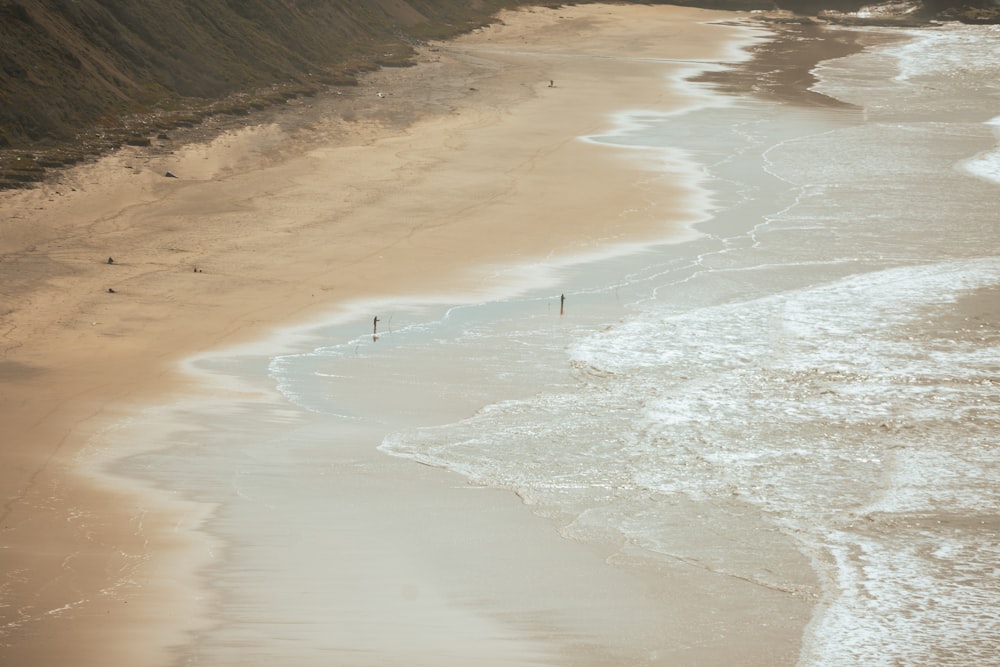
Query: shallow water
x,y
827,359
822,363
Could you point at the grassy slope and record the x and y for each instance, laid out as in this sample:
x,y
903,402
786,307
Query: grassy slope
x,y
64,66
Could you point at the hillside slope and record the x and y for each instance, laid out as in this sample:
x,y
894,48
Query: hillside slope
x,y
65,66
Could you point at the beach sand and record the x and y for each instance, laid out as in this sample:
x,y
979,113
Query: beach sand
x,y
418,182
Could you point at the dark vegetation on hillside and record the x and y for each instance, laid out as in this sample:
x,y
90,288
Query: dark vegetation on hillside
x,y
77,78
967,11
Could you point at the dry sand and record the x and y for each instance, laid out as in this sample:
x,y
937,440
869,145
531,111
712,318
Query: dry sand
x,y
411,184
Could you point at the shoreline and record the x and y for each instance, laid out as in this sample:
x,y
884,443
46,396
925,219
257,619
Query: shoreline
x,y
173,280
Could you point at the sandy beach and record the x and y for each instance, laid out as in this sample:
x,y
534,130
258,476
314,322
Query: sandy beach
x,y
421,181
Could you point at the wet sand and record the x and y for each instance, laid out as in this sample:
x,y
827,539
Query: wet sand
x,y
419,182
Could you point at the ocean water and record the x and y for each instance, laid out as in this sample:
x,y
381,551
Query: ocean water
x,y
826,358
822,362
